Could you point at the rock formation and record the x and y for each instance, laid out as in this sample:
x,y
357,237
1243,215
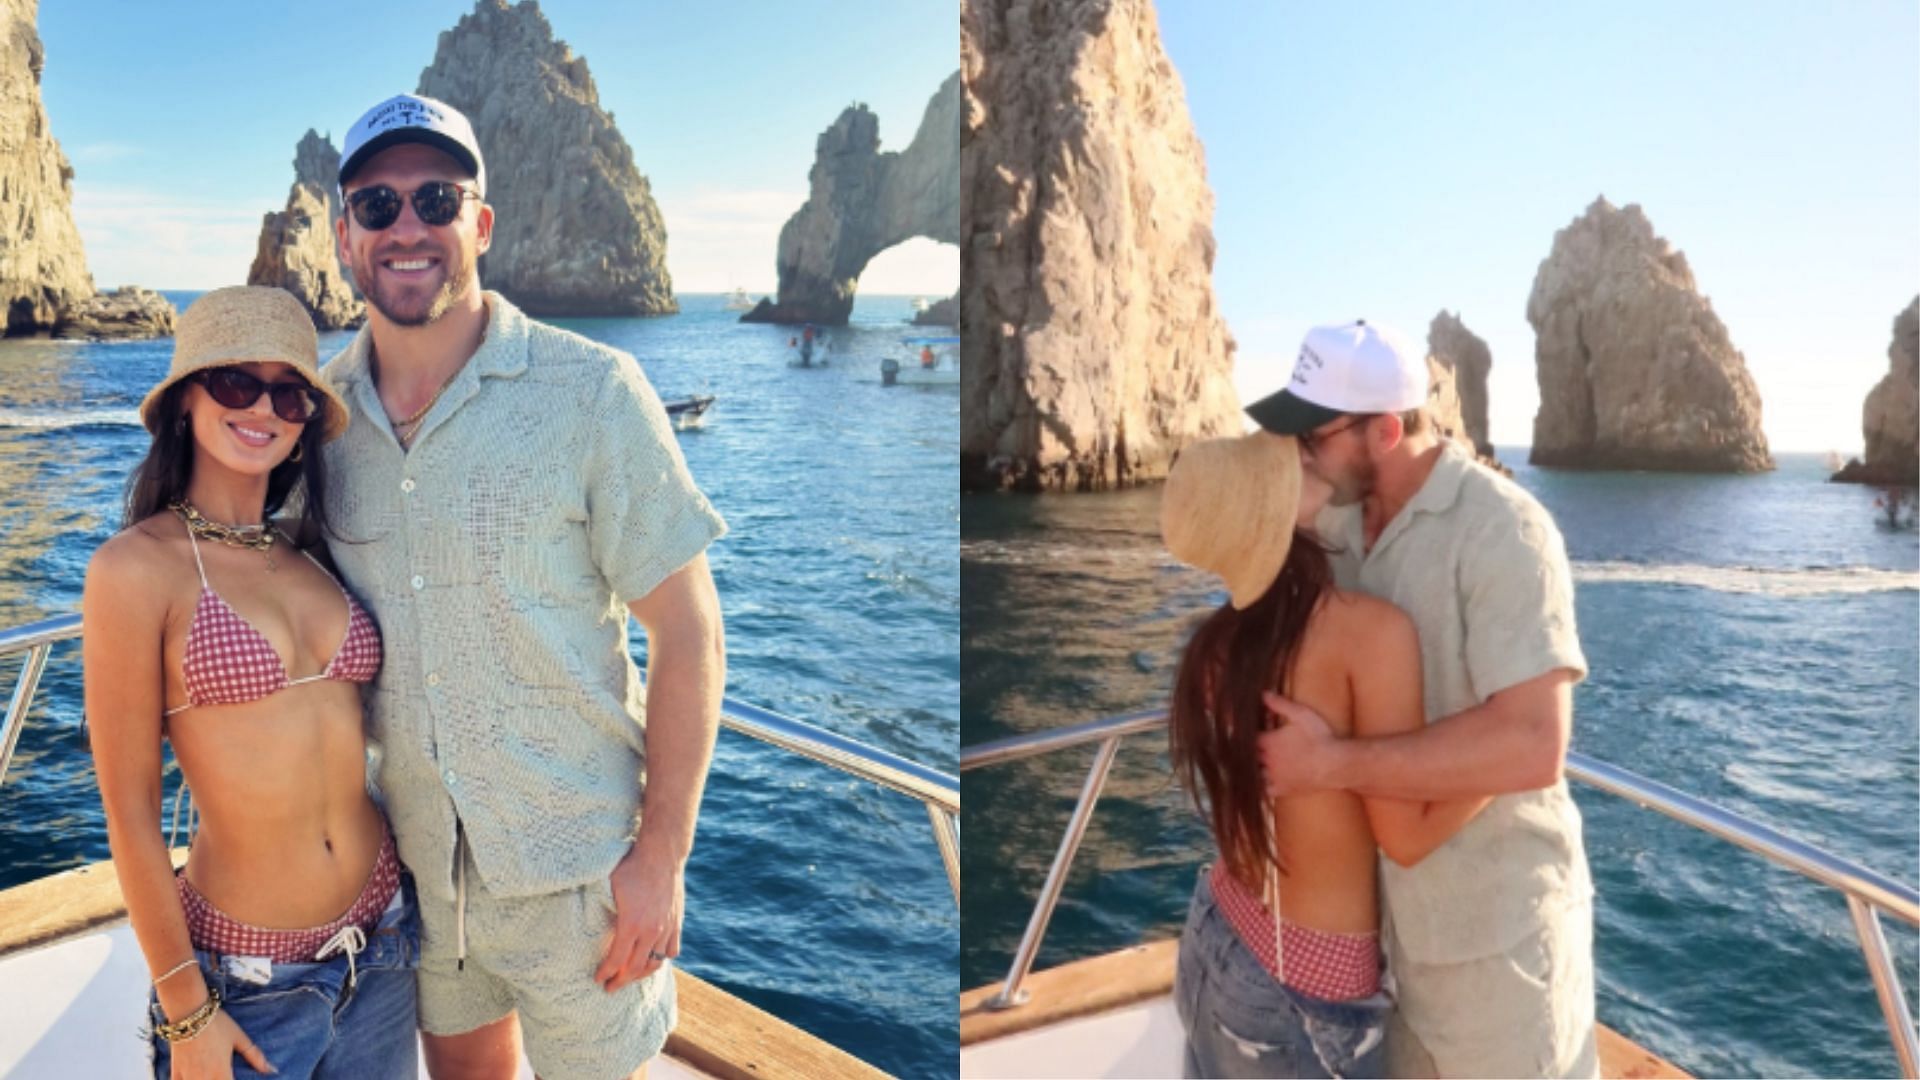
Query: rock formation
x,y
1635,369
940,313
1891,417
1462,353
1091,348
863,202
127,312
297,249
576,230
43,268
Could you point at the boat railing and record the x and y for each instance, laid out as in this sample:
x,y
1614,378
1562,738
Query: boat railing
x,y
1867,893
937,791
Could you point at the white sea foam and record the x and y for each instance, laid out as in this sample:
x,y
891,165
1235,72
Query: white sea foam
x,y
49,419
1757,581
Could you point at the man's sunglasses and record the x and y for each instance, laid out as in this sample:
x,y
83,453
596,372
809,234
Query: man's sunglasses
x,y
437,202
1310,441
294,401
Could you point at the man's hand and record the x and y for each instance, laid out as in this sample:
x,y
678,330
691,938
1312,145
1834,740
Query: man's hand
x,y
1298,754
649,897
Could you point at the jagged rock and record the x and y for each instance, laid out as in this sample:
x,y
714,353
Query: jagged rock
x,y
126,313
1891,417
863,202
1635,369
1465,355
297,250
1091,347
43,268
939,313
576,230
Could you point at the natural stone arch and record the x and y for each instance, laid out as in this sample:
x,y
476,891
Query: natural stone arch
x,y
864,202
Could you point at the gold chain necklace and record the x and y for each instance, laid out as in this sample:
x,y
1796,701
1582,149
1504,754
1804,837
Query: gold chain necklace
x,y
411,423
252,537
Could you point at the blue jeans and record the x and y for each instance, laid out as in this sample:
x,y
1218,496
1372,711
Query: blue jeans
x,y
310,1020
1241,1021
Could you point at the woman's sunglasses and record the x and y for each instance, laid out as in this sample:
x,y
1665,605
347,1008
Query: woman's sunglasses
x,y
294,401
437,202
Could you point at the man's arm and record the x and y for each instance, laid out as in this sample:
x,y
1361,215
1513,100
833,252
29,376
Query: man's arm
x,y
1514,741
686,676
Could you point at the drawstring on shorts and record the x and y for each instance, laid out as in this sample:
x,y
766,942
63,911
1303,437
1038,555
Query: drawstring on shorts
x,y
350,940
460,892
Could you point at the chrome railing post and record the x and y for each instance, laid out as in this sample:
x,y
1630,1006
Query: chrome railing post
x,y
1010,994
23,688
946,833
1886,983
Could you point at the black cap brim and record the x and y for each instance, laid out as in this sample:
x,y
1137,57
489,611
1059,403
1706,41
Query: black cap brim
x,y
443,143
1285,414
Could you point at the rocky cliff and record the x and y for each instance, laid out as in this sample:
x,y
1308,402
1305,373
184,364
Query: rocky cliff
x,y
862,202
42,266
1891,417
576,229
939,313
297,250
1091,346
1463,354
1635,369
127,312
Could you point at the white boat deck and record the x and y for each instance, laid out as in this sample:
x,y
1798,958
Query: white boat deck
x,y
74,1009
1141,1040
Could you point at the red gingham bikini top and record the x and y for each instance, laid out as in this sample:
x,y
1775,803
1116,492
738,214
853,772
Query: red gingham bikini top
x,y
229,662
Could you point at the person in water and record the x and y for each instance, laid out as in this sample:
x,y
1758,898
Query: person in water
x,y
1279,970
289,938
1492,938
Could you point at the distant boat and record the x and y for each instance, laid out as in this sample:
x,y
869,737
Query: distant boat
x,y
920,304
737,300
688,412
934,361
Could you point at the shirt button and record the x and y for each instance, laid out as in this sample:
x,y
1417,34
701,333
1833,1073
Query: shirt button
x,y
451,779
433,679
407,484
419,582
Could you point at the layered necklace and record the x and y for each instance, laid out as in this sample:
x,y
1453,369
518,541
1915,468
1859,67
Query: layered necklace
x,y
253,537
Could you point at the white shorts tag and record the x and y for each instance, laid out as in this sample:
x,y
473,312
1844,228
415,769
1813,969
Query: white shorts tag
x,y
257,970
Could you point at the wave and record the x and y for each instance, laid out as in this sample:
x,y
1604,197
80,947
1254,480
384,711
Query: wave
x,y
1752,580
54,420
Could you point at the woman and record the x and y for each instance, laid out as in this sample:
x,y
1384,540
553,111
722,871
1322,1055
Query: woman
x,y
1279,971
288,938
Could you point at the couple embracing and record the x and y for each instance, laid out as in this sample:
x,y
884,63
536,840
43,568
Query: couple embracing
x,y
433,546
1376,725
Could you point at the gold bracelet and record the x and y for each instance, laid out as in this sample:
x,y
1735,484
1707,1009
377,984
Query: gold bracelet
x,y
177,969
194,1023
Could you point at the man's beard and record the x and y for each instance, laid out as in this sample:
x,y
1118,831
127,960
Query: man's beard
x,y
1351,485
393,303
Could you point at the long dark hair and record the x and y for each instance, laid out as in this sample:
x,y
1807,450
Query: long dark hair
x,y
1217,713
161,477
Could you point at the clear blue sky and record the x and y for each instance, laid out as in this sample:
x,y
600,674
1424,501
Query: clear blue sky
x,y
181,121
1388,160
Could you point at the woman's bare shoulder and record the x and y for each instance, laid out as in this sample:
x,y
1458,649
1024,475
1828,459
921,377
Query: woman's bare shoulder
x,y
1363,616
136,553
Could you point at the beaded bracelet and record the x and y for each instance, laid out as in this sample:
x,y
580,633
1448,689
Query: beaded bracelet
x,y
194,1023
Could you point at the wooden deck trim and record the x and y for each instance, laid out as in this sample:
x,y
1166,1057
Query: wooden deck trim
x,y
718,1033
1145,972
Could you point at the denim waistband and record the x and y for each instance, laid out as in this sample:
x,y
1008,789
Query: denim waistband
x,y
1209,931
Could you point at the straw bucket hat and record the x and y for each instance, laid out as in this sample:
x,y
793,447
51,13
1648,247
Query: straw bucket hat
x,y
1229,507
242,323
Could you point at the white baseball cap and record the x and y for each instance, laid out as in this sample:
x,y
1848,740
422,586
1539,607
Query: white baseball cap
x,y
410,118
1344,369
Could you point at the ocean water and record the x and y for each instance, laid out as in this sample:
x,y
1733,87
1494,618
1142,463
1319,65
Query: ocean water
x,y
812,895
1753,640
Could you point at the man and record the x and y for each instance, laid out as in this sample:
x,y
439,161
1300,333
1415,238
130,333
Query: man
x,y
1490,938
505,495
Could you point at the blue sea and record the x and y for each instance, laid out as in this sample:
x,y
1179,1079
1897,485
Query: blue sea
x,y
1754,640
814,896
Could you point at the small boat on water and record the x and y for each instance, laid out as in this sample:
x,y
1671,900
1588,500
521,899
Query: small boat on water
x,y
933,361
688,412
1114,1015
920,304
73,982
738,300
